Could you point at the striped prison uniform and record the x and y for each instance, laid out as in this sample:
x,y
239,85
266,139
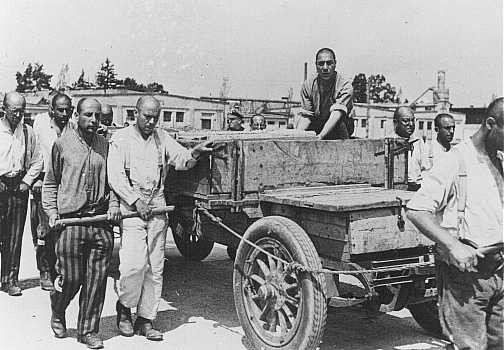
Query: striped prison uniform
x,y
83,256
20,161
75,185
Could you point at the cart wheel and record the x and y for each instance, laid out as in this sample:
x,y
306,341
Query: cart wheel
x,y
190,246
231,252
426,315
279,309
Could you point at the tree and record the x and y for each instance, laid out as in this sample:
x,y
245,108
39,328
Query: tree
x,y
360,88
106,76
82,82
33,78
155,87
380,91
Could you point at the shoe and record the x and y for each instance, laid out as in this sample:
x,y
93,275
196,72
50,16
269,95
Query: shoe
x,y
45,281
92,340
124,323
58,325
144,327
14,290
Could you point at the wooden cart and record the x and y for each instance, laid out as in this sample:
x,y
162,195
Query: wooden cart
x,y
309,211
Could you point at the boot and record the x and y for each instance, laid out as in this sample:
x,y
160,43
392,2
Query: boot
x,y
144,327
45,281
124,323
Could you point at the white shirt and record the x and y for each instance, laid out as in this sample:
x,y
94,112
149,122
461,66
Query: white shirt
x,y
436,150
46,132
12,148
485,189
143,164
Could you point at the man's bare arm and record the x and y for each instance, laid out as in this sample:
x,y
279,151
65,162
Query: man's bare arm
x,y
330,124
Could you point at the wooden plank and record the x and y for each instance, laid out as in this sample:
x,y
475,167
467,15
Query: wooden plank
x,y
377,230
279,163
338,199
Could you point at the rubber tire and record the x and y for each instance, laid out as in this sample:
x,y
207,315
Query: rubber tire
x,y
299,245
427,316
195,251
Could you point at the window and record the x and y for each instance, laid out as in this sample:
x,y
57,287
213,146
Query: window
x,y
207,115
206,124
382,124
429,125
179,117
280,124
363,123
166,116
130,114
420,125
271,122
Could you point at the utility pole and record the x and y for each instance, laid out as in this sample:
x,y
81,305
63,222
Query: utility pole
x,y
305,71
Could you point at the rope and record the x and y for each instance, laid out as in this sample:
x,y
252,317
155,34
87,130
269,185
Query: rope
x,y
294,266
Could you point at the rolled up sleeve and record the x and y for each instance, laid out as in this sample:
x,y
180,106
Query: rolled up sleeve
x,y
344,96
177,155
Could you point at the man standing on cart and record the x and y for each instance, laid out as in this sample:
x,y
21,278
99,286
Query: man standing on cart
x,y
138,162
459,207
326,100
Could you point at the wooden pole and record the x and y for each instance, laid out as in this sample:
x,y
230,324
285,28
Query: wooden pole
x,y
103,217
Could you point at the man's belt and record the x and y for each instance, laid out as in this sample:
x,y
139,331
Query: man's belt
x,y
12,182
494,257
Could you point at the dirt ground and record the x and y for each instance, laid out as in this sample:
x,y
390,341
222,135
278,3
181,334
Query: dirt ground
x,y
197,312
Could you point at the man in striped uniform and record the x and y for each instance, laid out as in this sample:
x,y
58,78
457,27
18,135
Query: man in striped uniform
x,y
75,185
20,165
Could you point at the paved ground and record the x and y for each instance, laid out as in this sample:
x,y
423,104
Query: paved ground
x,y
197,312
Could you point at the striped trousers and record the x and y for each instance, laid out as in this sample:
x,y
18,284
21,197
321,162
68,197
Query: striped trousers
x,y
83,257
13,207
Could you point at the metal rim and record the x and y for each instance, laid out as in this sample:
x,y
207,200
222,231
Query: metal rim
x,y
272,297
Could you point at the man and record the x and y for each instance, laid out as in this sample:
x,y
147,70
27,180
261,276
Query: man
x,y
138,163
444,125
460,208
326,100
257,122
47,127
418,161
75,185
107,119
20,165
234,121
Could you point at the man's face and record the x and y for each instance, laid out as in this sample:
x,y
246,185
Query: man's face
x,y
234,123
14,112
326,65
258,123
495,139
446,129
62,111
147,118
405,126
106,119
89,117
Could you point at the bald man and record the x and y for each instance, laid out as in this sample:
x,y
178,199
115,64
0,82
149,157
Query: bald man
x,y
138,162
47,127
459,207
257,122
76,185
107,119
418,156
444,125
20,165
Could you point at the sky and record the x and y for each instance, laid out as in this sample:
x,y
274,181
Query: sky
x,y
260,46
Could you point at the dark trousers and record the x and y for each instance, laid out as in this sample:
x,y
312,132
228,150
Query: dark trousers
x,y
471,307
43,237
13,208
83,256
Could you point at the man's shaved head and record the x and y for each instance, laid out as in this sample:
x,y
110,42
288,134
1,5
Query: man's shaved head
x,y
85,102
59,97
107,115
402,111
404,121
148,102
14,98
495,109
106,109
493,127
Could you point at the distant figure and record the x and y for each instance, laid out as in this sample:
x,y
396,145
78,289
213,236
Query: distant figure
x,y
326,100
290,126
460,207
107,115
235,121
418,161
444,125
257,122
126,124
20,166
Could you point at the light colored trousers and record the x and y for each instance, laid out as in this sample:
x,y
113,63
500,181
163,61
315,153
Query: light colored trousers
x,y
141,264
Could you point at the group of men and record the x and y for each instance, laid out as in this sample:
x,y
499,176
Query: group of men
x,y
75,172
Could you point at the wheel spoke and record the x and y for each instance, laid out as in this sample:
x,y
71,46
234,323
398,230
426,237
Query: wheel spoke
x,y
293,301
263,267
280,267
282,322
288,313
271,263
289,287
258,279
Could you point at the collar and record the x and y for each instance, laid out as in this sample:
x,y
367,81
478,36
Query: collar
x,y
4,124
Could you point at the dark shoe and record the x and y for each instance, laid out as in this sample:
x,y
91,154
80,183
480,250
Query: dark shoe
x,y
14,290
58,325
45,281
92,340
143,327
124,323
